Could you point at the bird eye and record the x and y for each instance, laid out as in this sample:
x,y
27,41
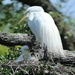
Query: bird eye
x,y
27,12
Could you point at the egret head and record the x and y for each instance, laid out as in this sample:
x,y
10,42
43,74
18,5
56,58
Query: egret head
x,y
32,9
35,8
25,54
24,48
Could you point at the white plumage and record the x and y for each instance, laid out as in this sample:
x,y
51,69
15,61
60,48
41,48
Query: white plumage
x,y
25,54
44,28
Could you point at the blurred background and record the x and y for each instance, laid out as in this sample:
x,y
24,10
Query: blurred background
x,y
11,11
63,12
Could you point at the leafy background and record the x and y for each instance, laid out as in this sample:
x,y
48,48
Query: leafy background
x,y
12,11
10,14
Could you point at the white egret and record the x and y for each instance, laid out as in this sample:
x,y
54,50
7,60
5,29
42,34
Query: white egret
x,y
25,54
44,28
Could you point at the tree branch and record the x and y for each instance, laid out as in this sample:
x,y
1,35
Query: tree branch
x,y
12,39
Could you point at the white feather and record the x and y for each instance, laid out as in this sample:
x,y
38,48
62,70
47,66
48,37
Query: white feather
x,y
25,54
44,28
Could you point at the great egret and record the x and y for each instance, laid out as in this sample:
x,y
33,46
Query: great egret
x,y
44,28
25,54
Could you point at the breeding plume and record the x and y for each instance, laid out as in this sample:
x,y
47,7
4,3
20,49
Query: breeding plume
x,y
44,28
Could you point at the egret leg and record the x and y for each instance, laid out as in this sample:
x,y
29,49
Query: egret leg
x,y
45,51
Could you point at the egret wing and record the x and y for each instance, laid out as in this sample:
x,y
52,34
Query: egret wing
x,y
44,28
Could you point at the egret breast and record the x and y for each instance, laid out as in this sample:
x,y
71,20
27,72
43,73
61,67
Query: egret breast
x,y
34,22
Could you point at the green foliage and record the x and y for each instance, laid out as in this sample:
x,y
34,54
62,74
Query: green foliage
x,y
13,54
3,49
9,18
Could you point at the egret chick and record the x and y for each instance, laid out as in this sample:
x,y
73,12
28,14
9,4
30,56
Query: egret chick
x,y
44,28
25,54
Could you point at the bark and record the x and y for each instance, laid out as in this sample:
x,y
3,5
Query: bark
x,y
12,39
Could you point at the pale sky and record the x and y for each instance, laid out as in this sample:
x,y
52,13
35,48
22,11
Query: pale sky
x,y
68,7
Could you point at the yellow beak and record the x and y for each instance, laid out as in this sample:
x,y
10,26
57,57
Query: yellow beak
x,y
23,18
28,50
